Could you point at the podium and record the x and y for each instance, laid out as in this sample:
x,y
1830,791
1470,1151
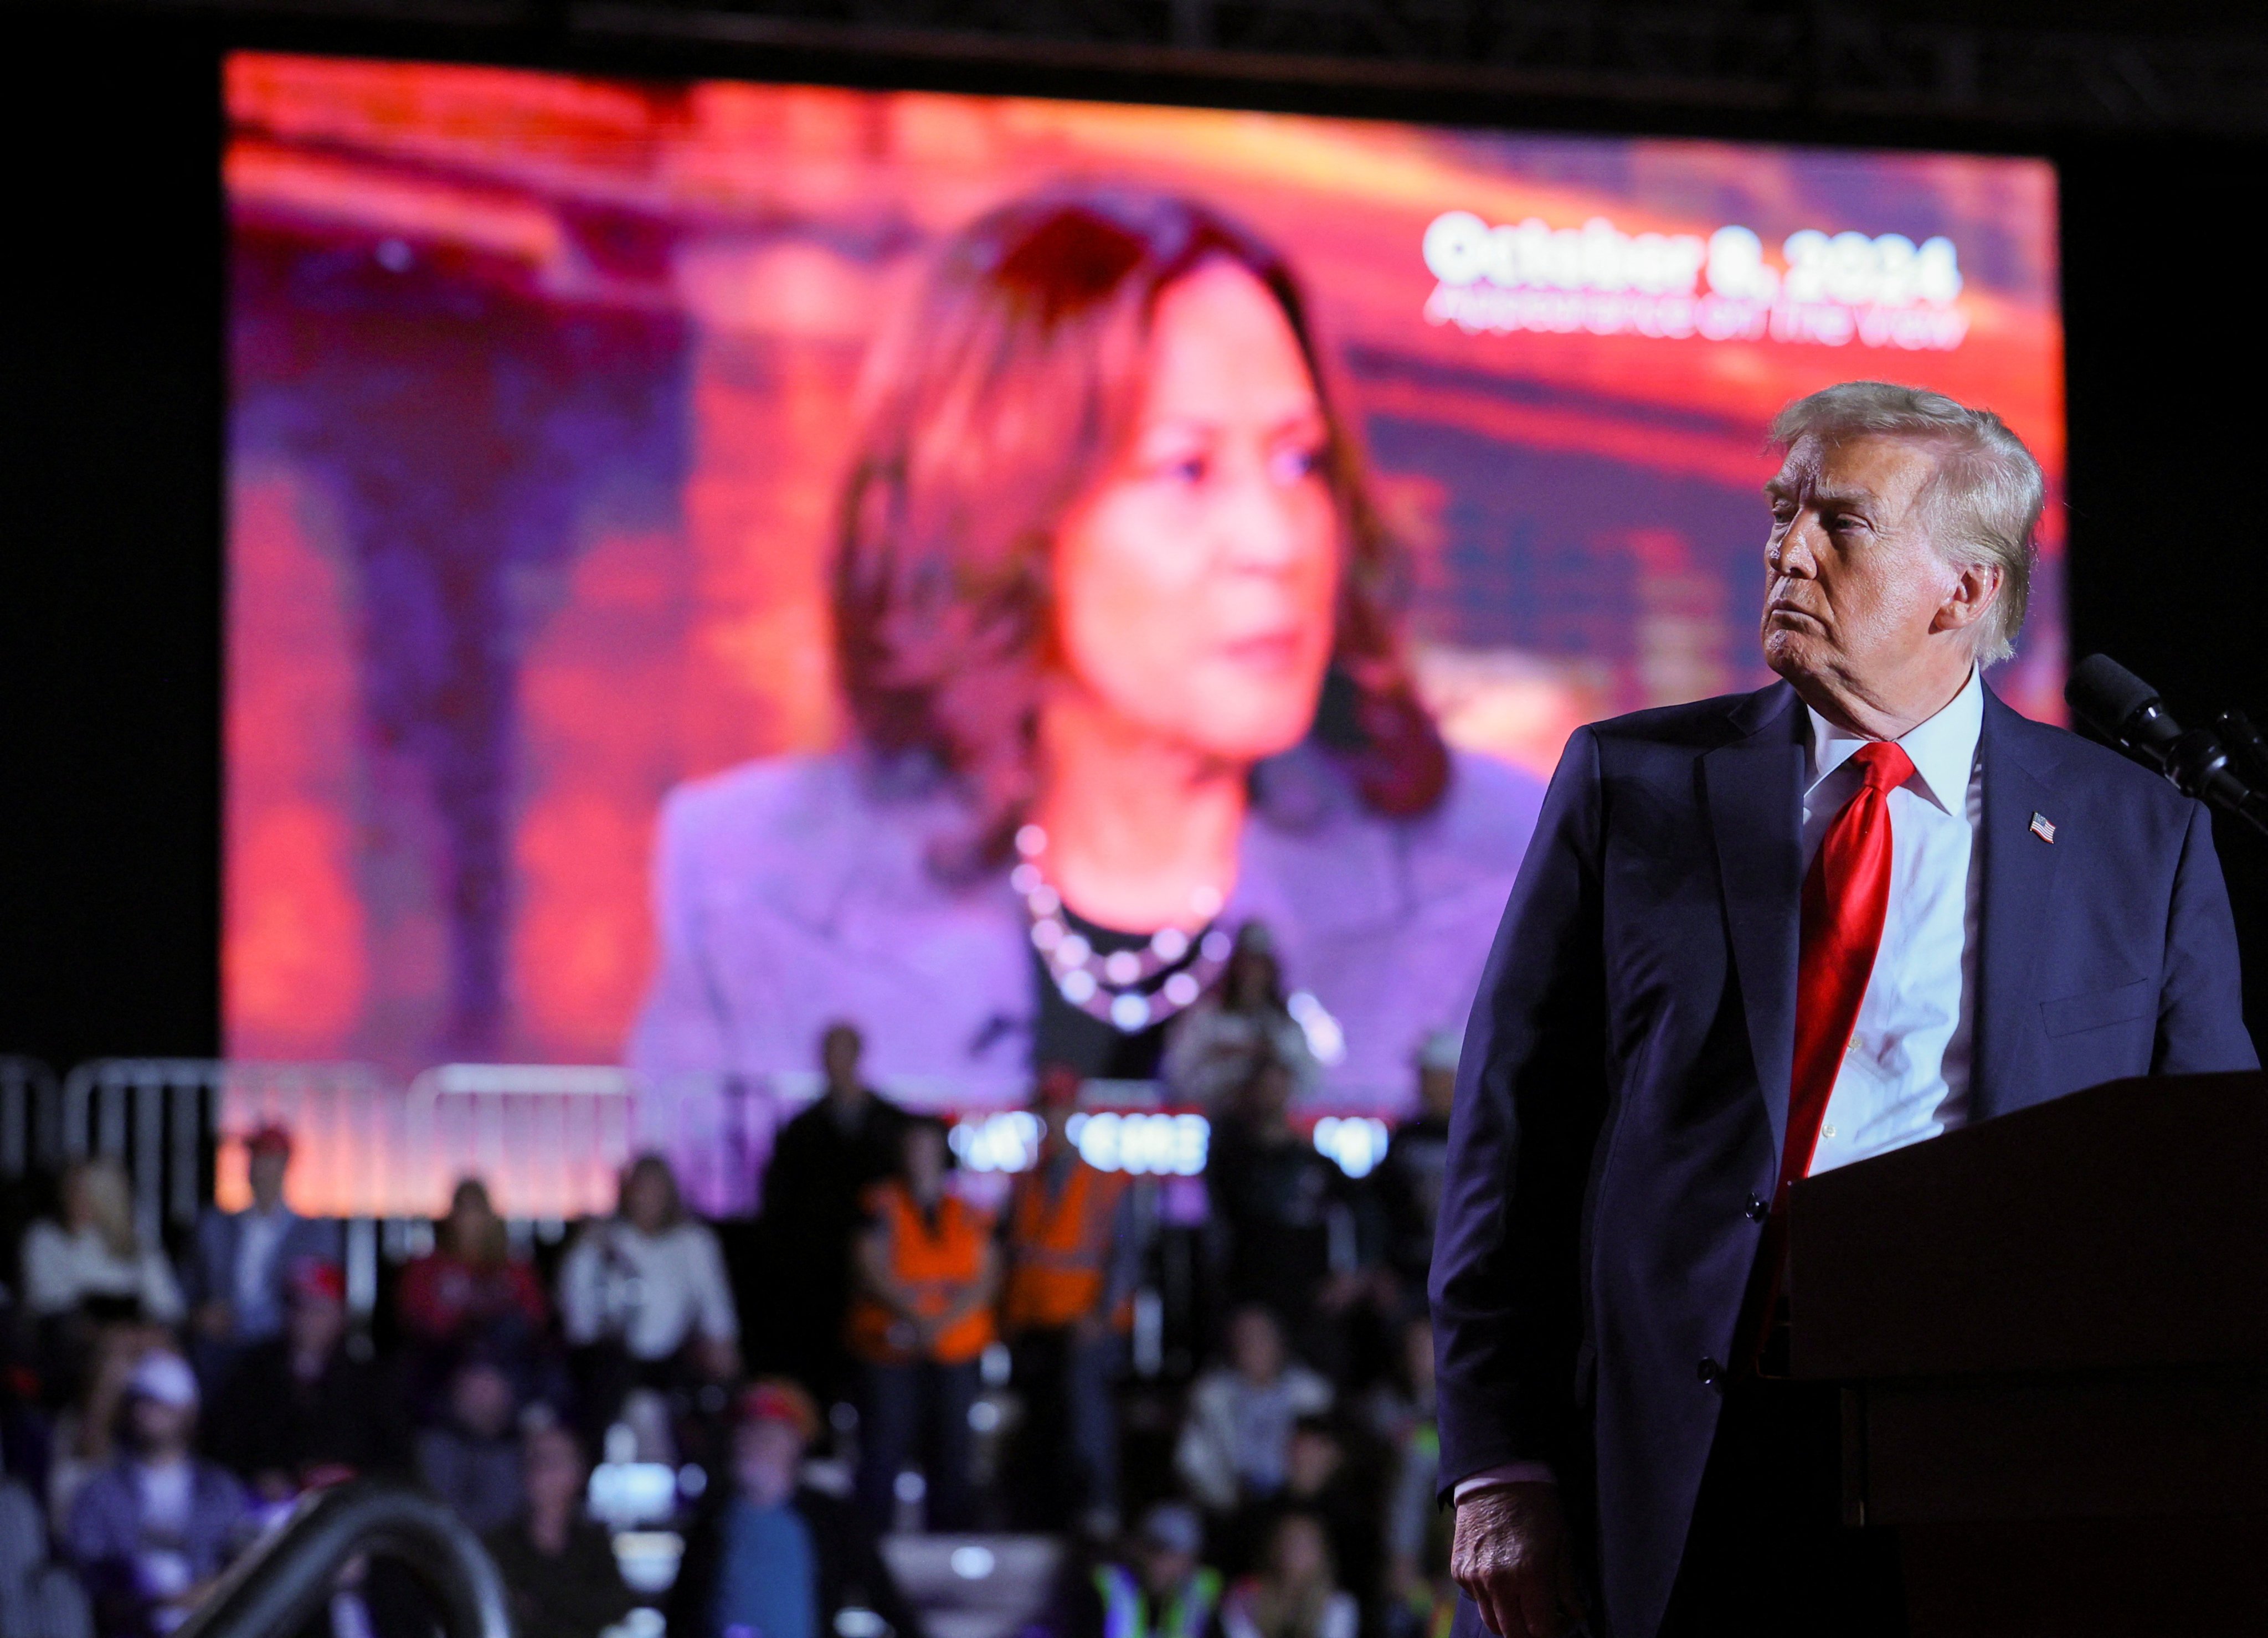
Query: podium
x,y
2052,1330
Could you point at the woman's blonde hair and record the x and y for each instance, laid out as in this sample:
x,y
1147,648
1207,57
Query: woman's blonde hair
x,y
100,1186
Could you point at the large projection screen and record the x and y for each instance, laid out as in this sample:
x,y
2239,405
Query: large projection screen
x,y
548,393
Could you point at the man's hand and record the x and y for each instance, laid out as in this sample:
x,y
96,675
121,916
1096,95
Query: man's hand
x,y
1512,1559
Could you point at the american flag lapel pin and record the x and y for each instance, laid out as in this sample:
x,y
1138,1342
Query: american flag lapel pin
x,y
2042,827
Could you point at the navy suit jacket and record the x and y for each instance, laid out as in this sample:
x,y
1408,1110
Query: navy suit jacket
x,y
208,1275
1624,1086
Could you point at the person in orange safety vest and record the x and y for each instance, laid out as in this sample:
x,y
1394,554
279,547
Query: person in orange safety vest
x,y
925,1273
1073,1248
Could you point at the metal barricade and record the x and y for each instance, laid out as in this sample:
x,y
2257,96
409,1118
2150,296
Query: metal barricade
x,y
31,1128
349,1147
716,1132
156,1117
551,1139
168,1121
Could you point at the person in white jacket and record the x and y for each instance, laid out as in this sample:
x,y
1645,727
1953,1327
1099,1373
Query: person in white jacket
x,y
96,1253
1213,1048
1239,1416
648,1284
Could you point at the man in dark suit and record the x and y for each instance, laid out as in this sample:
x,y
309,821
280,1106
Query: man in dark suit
x,y
1754,938
821,1166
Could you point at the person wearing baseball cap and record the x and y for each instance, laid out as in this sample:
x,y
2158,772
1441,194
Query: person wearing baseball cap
x,y
769,1555
150,1533
1160,1589
240,1262
1409,1180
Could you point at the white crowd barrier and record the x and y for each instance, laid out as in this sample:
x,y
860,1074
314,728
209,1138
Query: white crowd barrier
x,y
549,1140
31,1102
552,1139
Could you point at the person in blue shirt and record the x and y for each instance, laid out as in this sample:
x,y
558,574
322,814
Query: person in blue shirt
x,y
238,1274
770,1556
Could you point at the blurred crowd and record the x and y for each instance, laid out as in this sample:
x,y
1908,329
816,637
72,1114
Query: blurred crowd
x,y
889,1350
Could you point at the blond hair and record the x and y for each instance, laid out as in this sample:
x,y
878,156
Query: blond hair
x,y
1984,501
103,1193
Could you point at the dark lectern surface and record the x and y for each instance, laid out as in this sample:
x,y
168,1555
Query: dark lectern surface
x,y
2053,1331
2121,1226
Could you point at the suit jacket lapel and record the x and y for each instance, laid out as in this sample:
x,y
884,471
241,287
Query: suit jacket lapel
x,y
1753,788
2018,873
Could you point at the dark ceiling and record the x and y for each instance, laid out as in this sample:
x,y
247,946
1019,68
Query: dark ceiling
x,y
2016,67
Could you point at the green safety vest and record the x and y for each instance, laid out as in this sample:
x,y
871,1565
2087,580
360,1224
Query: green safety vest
x,y
1124,1605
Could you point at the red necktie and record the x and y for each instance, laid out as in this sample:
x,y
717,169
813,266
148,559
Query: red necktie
x,y
1847,894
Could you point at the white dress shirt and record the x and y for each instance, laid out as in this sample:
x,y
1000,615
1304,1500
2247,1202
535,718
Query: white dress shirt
x,y
1905,1076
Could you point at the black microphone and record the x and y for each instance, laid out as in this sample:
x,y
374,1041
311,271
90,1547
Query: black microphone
x,y
2127,711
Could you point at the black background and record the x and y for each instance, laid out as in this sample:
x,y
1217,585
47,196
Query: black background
x,y
112,578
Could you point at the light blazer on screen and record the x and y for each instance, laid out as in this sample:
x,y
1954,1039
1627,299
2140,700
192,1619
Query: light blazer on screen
x,y
797,890
1624,1086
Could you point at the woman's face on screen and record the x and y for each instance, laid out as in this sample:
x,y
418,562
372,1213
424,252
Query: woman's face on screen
x,y
1196,581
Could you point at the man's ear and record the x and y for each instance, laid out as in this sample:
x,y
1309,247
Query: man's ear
x,y
1976,588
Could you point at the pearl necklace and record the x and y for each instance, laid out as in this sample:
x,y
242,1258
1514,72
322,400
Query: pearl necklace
x,y
1110,986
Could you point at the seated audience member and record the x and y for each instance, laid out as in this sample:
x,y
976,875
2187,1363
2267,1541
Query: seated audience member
x,y
150,1532
38,1598
1402,1416
825,1160
1073,1248
1294,1593
1238,1426
27,1427
558,1566
1214,1048
470,1285
926,1271
236,1269
86,1430
769,1556
1161,1589
643,1294
1284,1213
1323,1479
1403,1397
299,1409
94,1260
471,1458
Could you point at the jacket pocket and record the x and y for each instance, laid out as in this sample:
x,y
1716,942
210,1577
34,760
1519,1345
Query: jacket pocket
x,y
2100,1009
